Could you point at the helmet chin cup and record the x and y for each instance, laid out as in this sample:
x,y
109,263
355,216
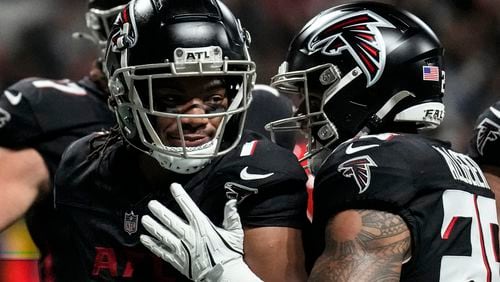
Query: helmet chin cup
x,y
180,165
189,164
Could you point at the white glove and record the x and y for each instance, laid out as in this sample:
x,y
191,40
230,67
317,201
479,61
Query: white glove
x,y
198,249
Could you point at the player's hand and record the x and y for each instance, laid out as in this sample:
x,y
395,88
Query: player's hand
x,y
197,248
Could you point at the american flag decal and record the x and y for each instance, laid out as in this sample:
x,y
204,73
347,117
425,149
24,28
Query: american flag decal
x,y
430,73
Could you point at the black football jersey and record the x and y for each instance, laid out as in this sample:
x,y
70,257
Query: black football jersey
x,y
442,195
48,115
103,195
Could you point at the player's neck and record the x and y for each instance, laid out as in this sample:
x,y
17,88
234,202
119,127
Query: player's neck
x,y
155,174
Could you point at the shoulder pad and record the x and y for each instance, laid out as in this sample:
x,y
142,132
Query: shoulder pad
x,y
258,162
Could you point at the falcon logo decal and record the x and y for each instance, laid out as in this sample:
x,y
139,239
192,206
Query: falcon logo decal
x,y
487,131
359,169
4,117
238,191
126,36
359,34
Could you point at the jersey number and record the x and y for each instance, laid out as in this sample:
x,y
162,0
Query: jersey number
x,y
64,85
483,263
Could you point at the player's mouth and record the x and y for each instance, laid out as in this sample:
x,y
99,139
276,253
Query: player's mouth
x,y
191,140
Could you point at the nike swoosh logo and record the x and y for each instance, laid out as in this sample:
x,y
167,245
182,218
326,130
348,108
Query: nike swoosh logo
x,y
351,150
251,176
14,99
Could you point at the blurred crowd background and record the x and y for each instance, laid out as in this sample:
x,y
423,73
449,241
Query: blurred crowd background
x,y
36,40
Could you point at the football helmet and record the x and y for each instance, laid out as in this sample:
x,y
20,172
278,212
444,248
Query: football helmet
x,y
157,41
362,68
484,146
100,17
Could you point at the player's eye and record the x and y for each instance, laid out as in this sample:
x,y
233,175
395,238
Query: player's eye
x,y
168,103
215,99
215,103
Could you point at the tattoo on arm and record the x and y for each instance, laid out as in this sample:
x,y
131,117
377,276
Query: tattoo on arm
x,y
372,250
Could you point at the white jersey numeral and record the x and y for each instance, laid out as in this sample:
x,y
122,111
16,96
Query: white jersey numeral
x,y
65,86
482,264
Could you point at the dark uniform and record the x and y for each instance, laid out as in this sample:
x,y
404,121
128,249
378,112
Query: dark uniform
x,y
103,194
442,196
47,115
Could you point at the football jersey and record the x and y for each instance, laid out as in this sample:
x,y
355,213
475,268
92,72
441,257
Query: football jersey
x,y
102,194
442,196
47,115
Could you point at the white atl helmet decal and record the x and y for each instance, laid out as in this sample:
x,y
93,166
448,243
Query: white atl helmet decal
x,y
359,34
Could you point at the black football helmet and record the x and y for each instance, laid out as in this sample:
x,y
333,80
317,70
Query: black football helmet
x,y
484,146
362,68
100,17
158,40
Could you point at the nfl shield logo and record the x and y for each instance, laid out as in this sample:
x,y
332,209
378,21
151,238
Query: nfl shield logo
x,y
130,223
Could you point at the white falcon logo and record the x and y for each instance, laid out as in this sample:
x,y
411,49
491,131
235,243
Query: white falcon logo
x,y
359,169
488,131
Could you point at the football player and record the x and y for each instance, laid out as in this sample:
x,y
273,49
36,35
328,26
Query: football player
x,y
39,118
484,146
389,203
269,105
180,77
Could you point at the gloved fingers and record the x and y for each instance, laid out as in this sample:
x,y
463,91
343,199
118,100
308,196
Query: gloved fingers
x,y
158,231
169,219
232,219
157,248
190,209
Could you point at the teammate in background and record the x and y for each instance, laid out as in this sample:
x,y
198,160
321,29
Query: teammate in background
x,y
180,79
484,147
389,204
39,118
269,105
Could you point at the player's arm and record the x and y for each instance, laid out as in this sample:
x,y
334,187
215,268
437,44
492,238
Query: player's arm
x,y
23,176
275,253
492,175
363,245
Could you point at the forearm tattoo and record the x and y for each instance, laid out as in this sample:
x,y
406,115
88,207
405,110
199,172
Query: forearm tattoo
x,y
374,254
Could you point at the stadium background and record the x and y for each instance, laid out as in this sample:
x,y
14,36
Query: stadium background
x,y
35,40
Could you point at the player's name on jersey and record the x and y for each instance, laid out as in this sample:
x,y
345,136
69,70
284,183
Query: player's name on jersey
x,y
463,168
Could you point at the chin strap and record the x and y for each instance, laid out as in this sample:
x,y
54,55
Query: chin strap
x,y
377,118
